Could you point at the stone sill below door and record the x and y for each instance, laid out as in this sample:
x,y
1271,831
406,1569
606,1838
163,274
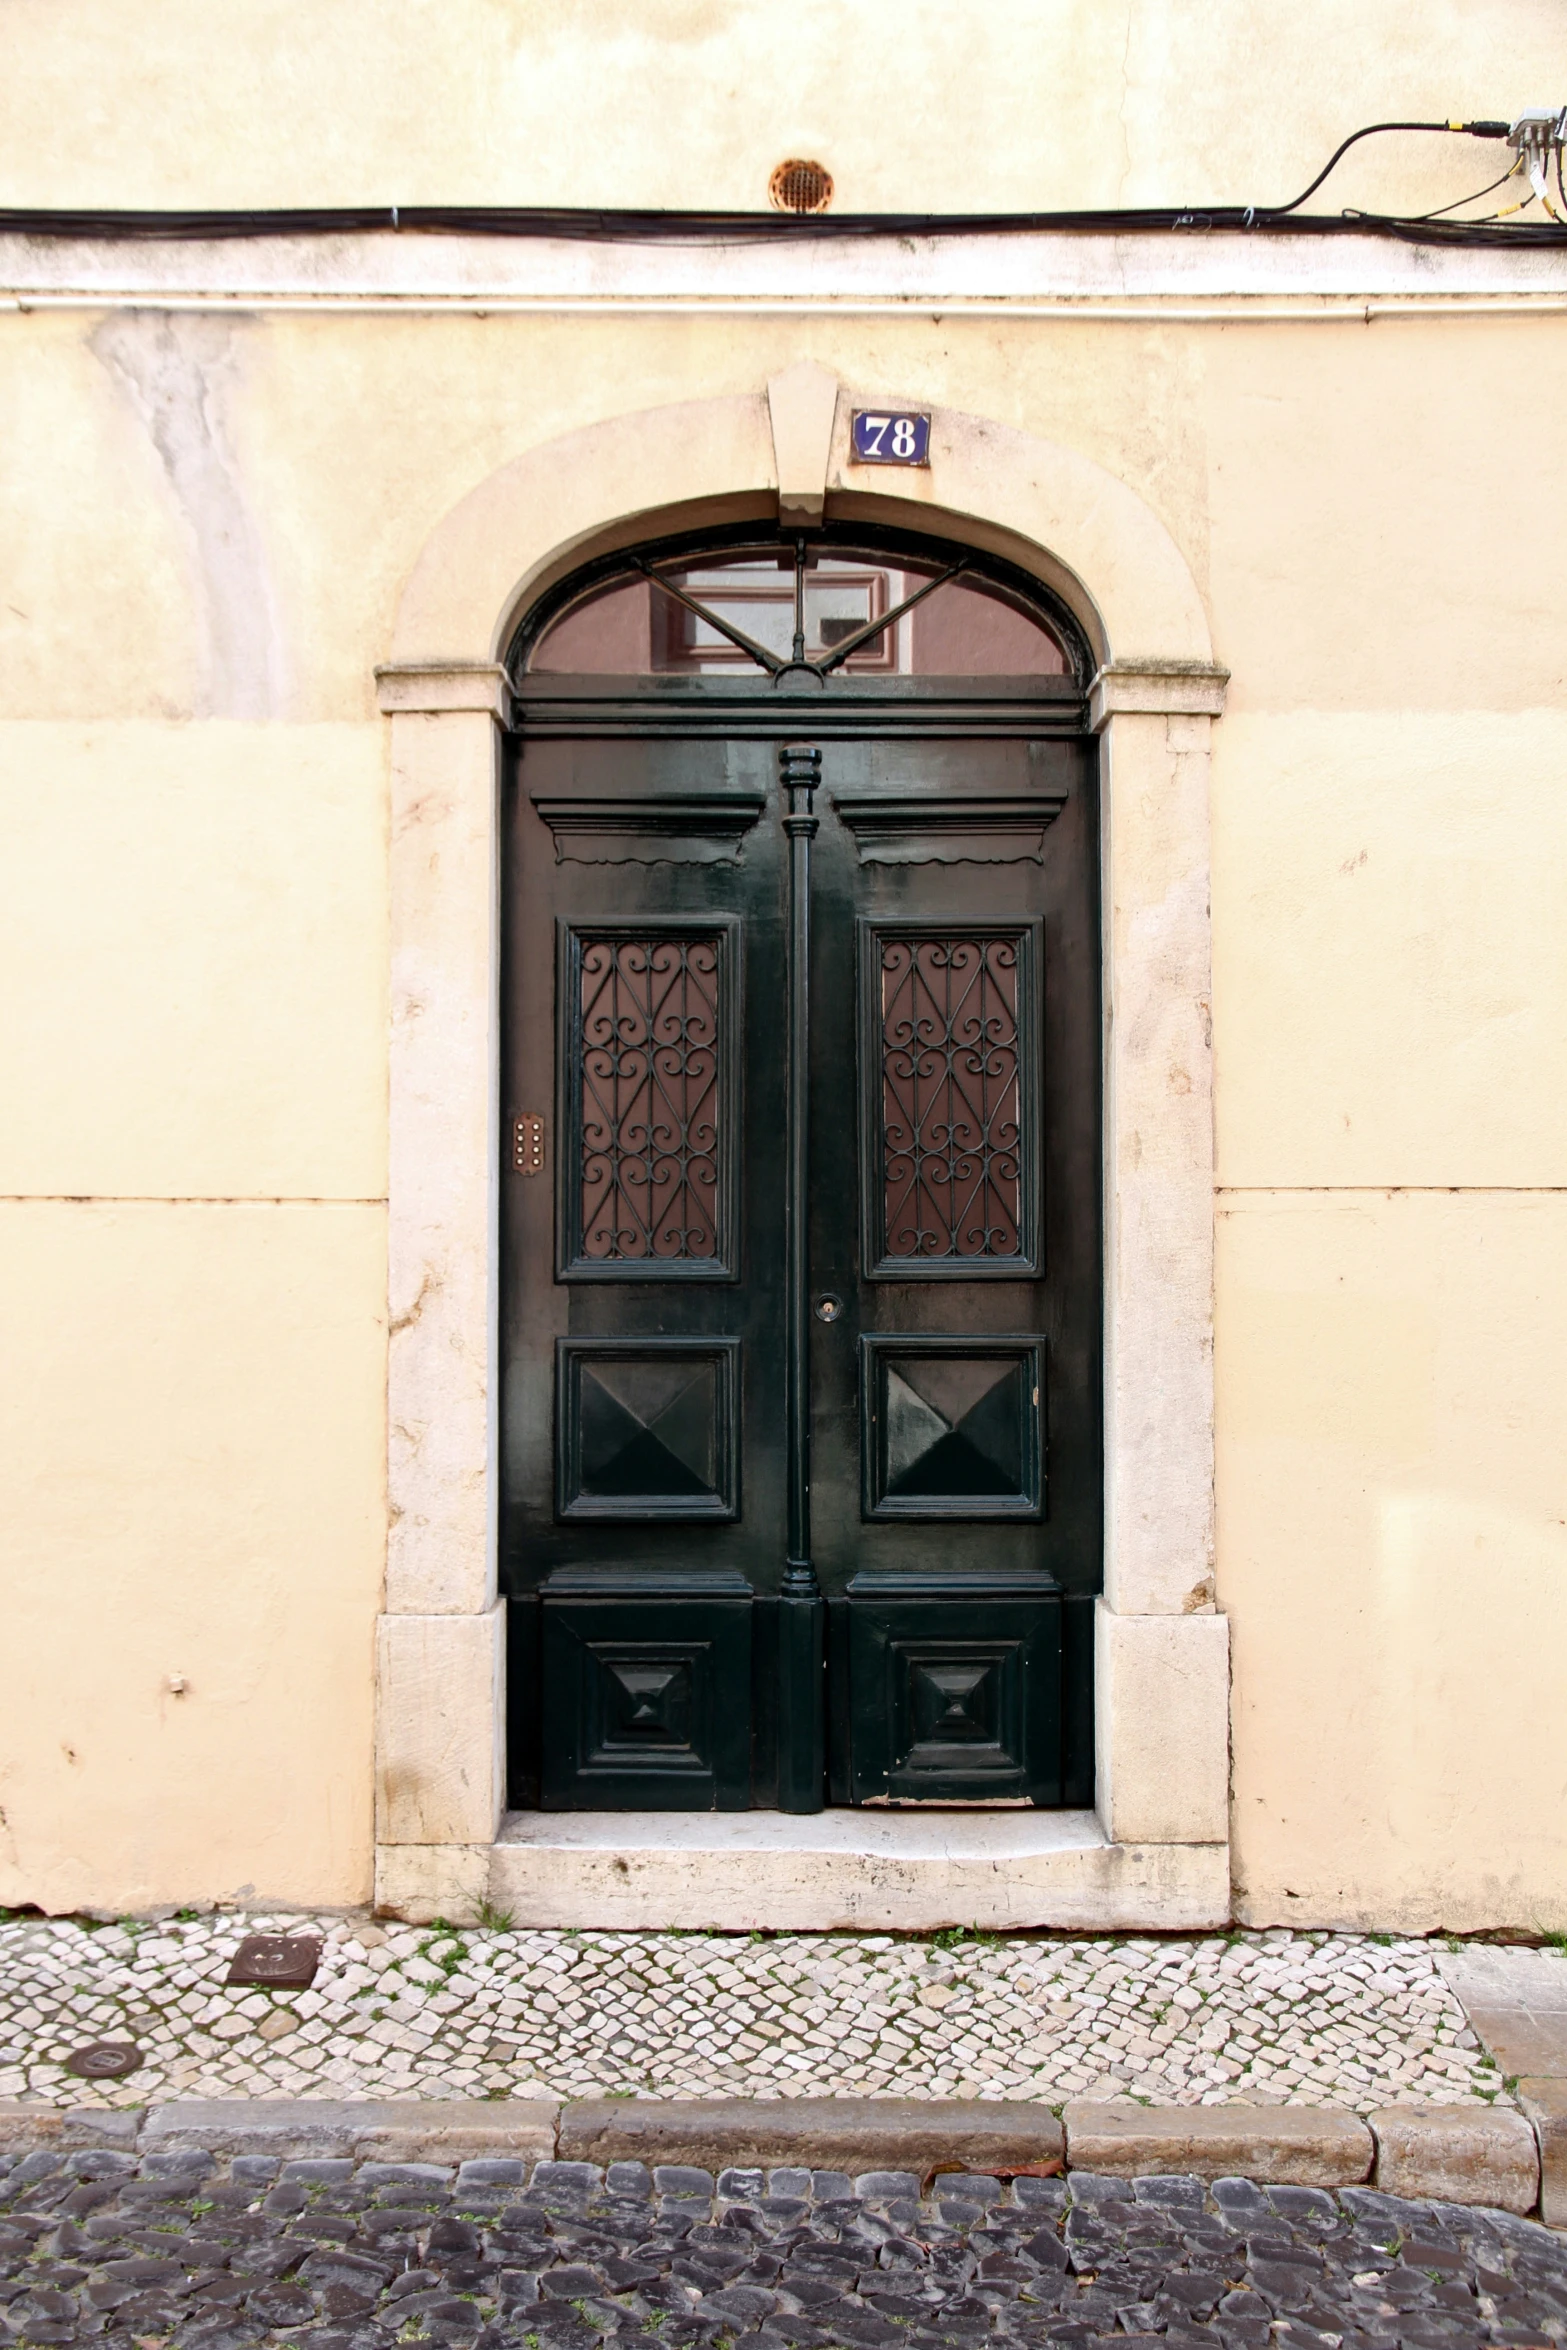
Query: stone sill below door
x,y
735,1872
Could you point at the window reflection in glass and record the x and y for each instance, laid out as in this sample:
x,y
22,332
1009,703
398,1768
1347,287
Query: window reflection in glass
x,y
966,627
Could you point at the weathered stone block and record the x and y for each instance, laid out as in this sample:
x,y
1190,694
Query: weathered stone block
x,y
1458,2153
852,2134
30,2129
439,1756
1281,2145
1544,2100
422,2130
1162,1706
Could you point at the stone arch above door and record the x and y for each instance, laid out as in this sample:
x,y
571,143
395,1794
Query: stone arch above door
x,y
1158,1852
656,471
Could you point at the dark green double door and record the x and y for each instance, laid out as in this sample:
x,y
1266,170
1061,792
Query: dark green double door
x,y
801,1309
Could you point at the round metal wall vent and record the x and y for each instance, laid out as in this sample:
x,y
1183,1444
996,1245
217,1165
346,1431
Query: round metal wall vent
x,y
797,186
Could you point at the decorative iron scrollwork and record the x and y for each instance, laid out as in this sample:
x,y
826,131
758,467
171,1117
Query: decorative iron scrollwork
x,y
649,1083
948,1024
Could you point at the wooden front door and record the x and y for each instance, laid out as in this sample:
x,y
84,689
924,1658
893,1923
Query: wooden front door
x,y
799,1210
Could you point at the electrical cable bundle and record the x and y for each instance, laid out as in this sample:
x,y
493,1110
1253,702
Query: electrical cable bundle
x,y
1538,146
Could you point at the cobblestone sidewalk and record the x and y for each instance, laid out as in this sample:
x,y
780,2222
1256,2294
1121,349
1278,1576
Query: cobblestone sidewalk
x,y
1314,2019
185,2252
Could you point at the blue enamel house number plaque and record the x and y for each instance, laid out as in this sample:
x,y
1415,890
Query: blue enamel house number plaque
x,y
890,438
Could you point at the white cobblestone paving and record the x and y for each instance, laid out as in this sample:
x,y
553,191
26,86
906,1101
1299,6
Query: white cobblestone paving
x,y
1311,2019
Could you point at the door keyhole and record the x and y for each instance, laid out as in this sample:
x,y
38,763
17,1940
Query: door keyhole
x,y
828,1308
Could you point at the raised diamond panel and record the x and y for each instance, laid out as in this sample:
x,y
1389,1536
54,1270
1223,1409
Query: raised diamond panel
x,y
647,1700
647,1428
955,1687
952,1428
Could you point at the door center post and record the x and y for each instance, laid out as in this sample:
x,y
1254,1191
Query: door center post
x,y
802,1615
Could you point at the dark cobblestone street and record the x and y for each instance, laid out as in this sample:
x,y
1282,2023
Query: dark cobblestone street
x,y
191,2250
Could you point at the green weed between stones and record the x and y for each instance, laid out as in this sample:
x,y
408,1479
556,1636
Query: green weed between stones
x,y
444,1947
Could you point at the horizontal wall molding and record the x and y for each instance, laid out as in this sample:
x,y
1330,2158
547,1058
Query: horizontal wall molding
x,y
1221,311
1192,276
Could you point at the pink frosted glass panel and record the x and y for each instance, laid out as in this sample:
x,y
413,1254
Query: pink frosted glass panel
x,y
609,634
963,630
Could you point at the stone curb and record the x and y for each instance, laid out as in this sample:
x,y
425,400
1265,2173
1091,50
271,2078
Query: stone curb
x,y
851,2134
1279,2145
421,2130
1545,2102
1458,2154
1467,2154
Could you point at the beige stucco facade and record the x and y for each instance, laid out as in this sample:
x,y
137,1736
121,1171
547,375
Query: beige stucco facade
x,y
248,936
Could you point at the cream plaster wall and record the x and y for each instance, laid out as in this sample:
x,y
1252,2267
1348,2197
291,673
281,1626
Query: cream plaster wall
x,y
190,1451
1393,1551
192,1287
195,918
1021,103
210,525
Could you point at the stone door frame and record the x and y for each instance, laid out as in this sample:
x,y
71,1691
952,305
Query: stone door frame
x,y
1158,1853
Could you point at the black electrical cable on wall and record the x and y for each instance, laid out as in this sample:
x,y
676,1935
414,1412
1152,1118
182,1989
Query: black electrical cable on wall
x,y
593,225
1473,130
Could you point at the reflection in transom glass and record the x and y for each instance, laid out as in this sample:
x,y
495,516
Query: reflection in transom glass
x,y
792,606
757,599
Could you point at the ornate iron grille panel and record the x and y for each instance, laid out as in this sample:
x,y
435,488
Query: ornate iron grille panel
x,y
649,1080
949,1089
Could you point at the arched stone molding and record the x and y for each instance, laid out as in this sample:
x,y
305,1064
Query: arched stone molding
x,y
1042,505
1158,1852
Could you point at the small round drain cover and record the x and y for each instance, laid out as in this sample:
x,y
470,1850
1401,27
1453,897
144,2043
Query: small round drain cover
x,y
103,2060
800,186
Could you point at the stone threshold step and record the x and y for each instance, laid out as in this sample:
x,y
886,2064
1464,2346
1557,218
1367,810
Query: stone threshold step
x,y
859,1869
1487,2155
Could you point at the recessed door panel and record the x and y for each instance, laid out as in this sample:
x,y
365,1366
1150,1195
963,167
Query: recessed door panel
x,y
954,1690
644,1698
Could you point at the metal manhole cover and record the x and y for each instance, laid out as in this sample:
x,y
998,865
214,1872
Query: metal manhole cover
x,y
103,2060
286,1961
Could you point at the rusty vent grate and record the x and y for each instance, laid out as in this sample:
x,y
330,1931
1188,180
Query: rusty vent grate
x,y
797,186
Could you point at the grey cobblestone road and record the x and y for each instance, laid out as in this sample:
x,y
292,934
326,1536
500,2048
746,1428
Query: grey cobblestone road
x,y
202,2254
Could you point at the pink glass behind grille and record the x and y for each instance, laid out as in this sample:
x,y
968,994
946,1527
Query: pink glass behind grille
x,y
650,1102
951,1117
